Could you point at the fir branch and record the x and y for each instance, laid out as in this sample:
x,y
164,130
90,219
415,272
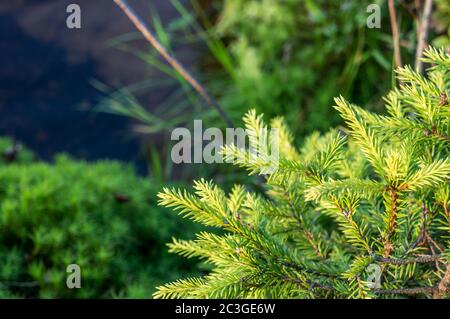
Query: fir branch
x,y
327,212
183,288
428,175
353,232
364,188
363,135
437,57
314,244
191,206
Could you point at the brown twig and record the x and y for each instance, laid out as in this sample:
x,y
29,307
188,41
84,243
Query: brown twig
x,y
140,25
392,224
395,34
422,35
447,214
310,271
426,235
407,8
301,226
422,238
443,286
405,291
404,261
437,135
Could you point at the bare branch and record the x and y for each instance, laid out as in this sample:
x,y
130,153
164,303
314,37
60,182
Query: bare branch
x,y
395,34
140,25
422,36
404,261
405,291
443,286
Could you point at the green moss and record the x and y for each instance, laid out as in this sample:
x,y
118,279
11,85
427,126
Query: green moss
x,y
100,216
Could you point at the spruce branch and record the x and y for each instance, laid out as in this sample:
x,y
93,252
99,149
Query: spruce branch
x,y
428,175
335,207
312,241
363,135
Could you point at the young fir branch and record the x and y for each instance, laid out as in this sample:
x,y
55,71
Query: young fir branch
x,y
376,197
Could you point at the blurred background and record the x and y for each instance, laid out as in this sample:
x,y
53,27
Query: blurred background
x,y
47,69
86,116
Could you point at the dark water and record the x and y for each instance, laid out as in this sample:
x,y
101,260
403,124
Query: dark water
x,y
45,72
41,97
